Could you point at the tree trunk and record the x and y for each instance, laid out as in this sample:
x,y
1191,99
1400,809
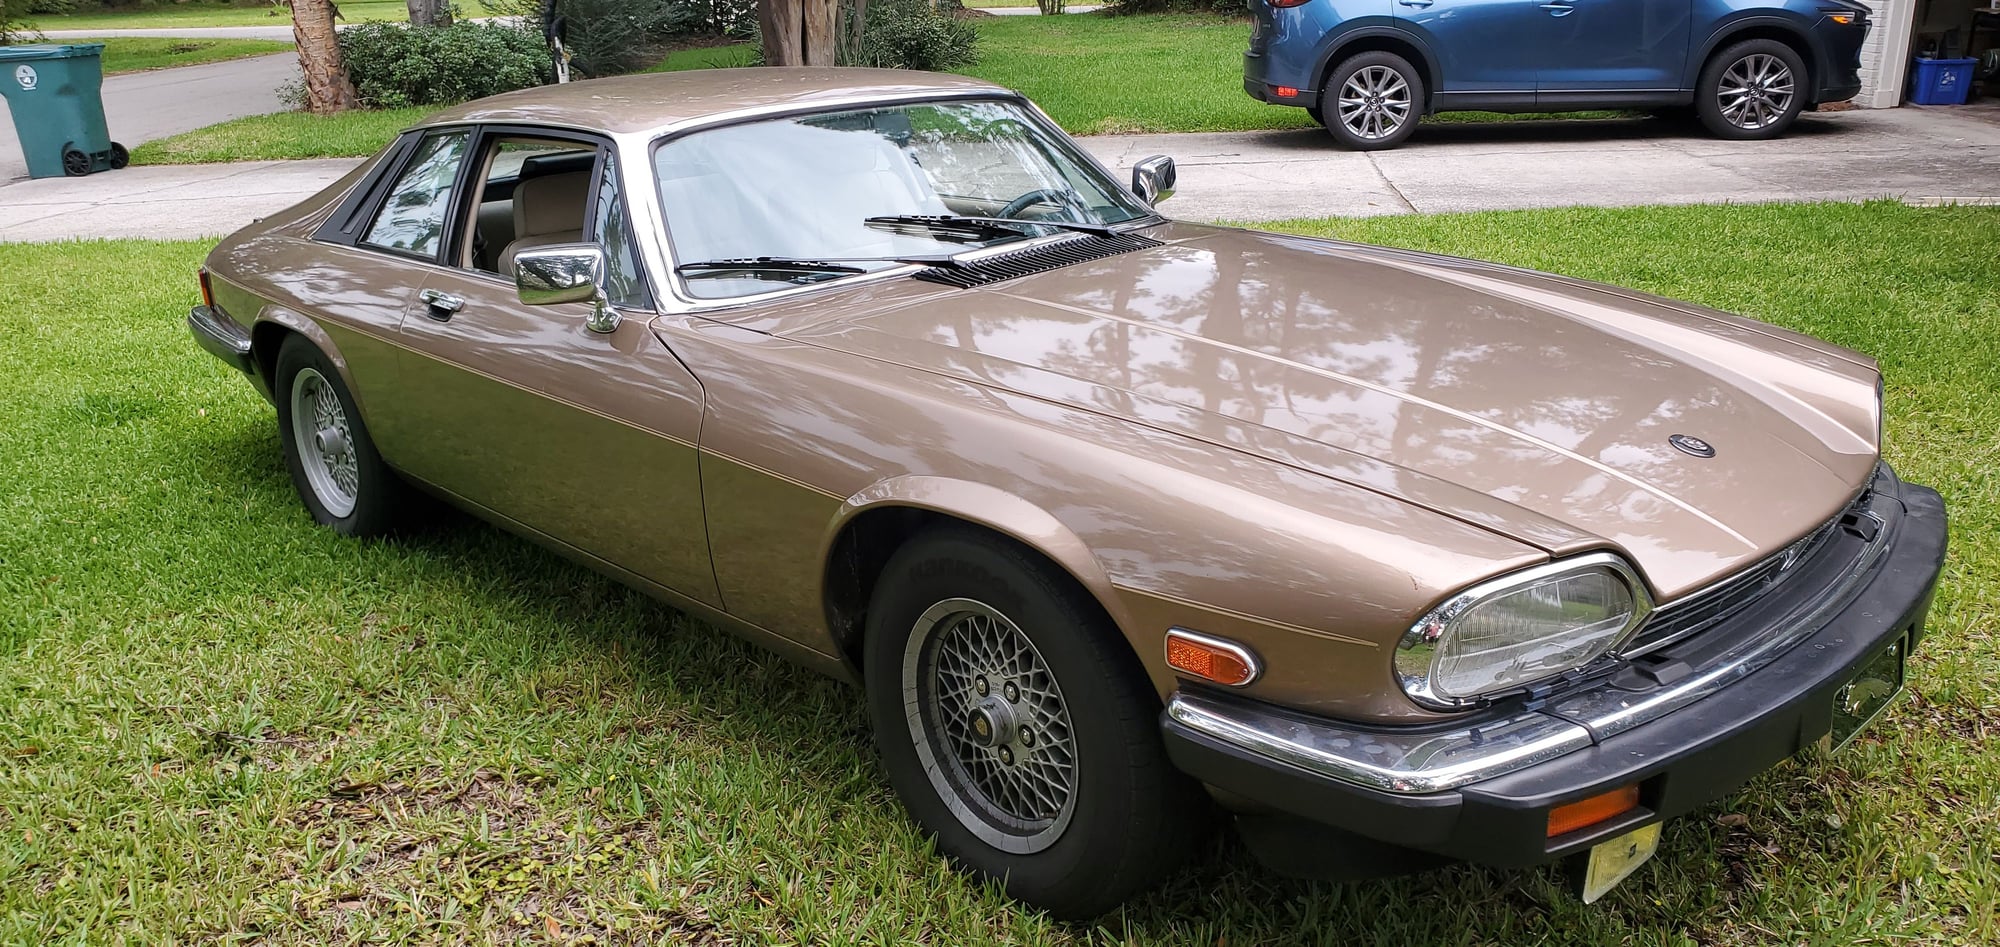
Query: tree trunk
x,y
822,43
782,24
327,87
799,32
429,12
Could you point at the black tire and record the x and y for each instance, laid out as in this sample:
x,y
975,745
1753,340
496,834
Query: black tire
x,y
1412,98
1725,123
379,497
1132,818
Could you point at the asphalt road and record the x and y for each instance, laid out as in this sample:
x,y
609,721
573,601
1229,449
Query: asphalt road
x,y
142,106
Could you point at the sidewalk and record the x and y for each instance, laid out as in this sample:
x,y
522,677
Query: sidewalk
x,y
1917,155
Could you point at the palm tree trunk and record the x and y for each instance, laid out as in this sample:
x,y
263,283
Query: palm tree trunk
x,y
327,86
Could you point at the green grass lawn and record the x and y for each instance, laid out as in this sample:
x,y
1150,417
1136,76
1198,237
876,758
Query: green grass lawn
x,y
193,13
220,723
140,53
283,135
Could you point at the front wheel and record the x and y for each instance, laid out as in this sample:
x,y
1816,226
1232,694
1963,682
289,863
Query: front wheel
x,y
1751,91
333,463
1372,101
1018,729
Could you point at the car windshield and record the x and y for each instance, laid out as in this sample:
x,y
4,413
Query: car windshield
x,y
865,188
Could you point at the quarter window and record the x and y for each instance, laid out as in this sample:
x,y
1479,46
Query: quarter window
x,y
412,219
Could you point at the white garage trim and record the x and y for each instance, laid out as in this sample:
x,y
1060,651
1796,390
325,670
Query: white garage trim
x,y
1885,54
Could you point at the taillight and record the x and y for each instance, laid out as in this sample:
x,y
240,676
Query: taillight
x,y
207,294
1281,4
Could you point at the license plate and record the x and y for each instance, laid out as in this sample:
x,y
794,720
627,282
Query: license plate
x,y
1613,861
1867,694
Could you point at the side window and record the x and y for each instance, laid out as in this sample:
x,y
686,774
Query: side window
x,y
623,281
413,217
532,192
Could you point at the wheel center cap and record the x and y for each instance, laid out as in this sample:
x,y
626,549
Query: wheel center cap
x,y
993,723
330,442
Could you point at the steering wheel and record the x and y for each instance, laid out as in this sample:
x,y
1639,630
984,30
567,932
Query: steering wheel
x,y
1043,195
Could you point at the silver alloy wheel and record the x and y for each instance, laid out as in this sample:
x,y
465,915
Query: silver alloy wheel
x,y
1754,91
325,443
1374,102
990,726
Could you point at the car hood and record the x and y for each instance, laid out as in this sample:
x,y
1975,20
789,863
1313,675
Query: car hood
x,y
1535,406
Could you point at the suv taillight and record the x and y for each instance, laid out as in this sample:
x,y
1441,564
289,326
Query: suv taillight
x,y
1281,4
207,294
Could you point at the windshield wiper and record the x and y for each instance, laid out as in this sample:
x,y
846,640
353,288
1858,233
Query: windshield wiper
x,y
975,228
838,266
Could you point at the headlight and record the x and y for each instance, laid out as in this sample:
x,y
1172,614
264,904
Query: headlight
x,y
1519,629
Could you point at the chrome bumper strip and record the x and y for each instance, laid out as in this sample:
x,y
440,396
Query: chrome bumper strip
x,y
1436,760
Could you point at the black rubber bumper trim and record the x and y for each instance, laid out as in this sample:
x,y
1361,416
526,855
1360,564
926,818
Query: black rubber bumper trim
x,y
221,337
1683,760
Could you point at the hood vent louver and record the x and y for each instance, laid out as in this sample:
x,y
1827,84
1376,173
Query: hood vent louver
x,y
1006,266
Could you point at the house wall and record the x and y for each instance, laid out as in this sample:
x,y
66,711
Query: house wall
x,y
1885,54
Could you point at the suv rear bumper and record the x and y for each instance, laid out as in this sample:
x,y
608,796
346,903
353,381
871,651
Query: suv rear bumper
x,y
1482,793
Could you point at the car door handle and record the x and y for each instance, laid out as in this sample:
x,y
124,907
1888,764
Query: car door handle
x,y
1559,7
1419,4
442,302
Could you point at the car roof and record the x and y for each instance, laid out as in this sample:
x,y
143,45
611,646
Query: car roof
x,y
648,102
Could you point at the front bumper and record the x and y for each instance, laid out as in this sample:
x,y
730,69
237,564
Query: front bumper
x,y
1689,723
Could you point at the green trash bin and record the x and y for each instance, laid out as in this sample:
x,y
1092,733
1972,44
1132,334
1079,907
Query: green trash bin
x,y
55,93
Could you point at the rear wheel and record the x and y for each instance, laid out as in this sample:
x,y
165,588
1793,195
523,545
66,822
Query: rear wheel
x,y
1751,90
1018,728
1372,101
334,465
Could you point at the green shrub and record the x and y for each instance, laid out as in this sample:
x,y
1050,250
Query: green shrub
x,y
397,66
910,34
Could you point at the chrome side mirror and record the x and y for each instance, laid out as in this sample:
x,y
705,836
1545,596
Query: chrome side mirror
x,y
1153,179
566,273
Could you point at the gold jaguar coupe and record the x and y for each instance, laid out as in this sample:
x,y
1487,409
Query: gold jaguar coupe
x,y
1126,527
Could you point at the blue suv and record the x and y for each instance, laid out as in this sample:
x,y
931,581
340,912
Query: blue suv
x,y
1369,69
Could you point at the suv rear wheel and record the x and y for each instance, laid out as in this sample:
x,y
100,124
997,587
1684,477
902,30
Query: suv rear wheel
x,y
1751,90
1372,101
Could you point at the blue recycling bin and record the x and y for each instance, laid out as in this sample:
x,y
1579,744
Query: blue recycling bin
x,y
1941,81
55,92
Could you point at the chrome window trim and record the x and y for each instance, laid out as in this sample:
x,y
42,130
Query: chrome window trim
x,y
1415,679
1426,761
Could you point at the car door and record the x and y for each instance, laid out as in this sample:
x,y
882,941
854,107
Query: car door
x,y
587,438
1611,46
1484,47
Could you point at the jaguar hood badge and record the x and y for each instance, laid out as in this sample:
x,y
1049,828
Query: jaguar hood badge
x,y
1689,444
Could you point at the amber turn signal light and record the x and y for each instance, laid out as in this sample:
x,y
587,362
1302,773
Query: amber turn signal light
x,y
1585,813
207,294
1211,659
1841,18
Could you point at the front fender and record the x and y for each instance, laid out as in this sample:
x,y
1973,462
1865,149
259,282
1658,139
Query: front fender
x,y
987,506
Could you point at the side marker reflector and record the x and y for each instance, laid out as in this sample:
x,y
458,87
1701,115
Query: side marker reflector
x,y
1211,659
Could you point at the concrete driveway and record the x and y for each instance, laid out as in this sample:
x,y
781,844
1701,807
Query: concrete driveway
x,y
1902,153
143,106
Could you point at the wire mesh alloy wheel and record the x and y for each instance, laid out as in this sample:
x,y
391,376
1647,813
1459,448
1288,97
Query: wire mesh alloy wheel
x,y
1755,91
1374,102
325,443
990,726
